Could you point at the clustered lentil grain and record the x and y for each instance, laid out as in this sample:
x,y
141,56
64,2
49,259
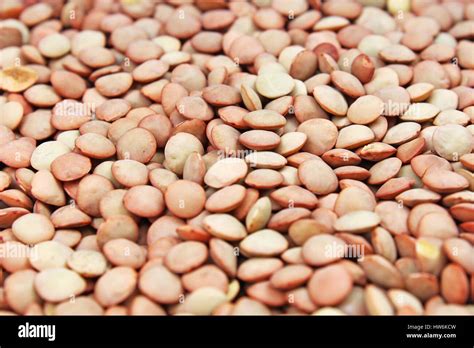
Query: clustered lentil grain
x,y
237,157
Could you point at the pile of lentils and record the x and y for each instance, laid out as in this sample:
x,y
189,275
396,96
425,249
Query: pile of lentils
x,y
217,157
